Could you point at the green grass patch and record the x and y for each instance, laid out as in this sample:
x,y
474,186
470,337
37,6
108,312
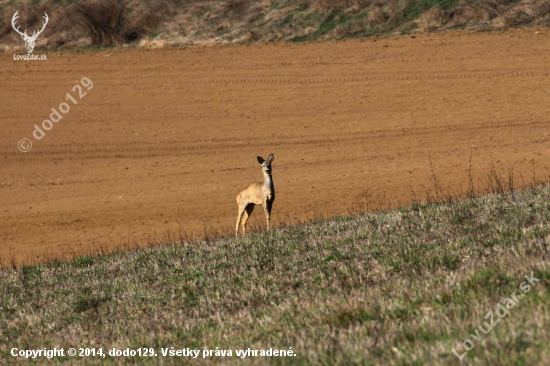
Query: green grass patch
x,y
416,8
398,287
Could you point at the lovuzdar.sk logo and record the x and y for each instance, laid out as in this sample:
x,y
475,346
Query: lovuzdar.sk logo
x,y
29,40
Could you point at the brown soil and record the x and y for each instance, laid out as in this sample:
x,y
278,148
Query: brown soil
x,y
165,140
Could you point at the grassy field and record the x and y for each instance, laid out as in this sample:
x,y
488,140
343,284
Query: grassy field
x,y
402,287
169,23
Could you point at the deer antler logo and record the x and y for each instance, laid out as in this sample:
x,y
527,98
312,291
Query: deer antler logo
x,y
29,41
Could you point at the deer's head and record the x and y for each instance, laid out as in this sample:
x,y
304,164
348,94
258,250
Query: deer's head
x,y
266,164
29,40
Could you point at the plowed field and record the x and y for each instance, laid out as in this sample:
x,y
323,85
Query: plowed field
x,y
165,139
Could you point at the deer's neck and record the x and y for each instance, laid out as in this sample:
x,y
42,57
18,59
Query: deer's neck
x,y
268,181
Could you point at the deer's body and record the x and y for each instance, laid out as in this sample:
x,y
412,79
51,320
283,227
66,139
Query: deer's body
x,y
257,194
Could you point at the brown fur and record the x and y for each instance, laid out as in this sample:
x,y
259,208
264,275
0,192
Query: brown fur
x,y
257,194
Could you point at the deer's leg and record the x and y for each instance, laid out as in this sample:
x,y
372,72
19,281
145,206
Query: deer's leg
x,y
239,217
247,212
267,210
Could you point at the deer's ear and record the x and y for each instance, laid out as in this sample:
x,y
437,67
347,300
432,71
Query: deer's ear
x,y
271,157
260,160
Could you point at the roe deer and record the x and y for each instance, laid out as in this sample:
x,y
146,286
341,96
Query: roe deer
x,y
256,194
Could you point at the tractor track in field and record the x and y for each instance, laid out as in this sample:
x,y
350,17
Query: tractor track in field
x,y
166,139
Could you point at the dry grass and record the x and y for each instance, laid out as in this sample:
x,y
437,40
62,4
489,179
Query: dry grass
x,y
397,287
102,20
187,22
